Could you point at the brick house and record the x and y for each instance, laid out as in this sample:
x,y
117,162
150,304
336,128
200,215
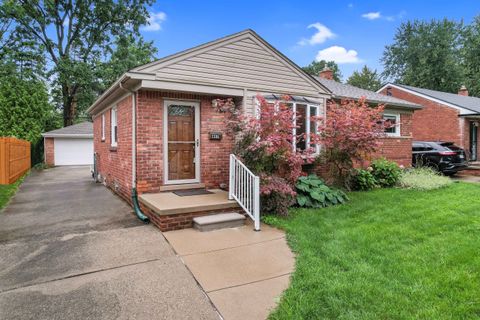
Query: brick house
x,y
444,116
156,131
397,144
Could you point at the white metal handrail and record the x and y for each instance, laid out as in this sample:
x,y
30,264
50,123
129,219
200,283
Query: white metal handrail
x,y
244,187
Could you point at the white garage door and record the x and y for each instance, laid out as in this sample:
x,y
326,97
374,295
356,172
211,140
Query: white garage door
x,y
73,151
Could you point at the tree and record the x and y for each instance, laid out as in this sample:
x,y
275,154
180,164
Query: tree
x,y
25,111
426,54
350,133
76,35
366,79
315,67
471,56
128,53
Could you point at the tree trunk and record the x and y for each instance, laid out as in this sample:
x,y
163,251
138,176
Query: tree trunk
x,y
69,106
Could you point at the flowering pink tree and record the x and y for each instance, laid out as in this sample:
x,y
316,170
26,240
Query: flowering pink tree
x,y
350,133
265,145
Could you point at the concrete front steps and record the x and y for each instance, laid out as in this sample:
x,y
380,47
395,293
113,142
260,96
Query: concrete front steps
x,y
219,221
168,211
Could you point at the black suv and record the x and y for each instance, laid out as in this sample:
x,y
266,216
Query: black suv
x,y
446,157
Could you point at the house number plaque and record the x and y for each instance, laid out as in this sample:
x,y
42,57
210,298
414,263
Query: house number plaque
x,y
215,136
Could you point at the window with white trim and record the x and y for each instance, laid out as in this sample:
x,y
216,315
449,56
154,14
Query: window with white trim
x,y
392,123
305,112
114,127
103,126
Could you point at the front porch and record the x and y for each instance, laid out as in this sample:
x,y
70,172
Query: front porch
x,y
169,211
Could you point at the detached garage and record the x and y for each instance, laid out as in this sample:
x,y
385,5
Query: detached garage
x,y
72,145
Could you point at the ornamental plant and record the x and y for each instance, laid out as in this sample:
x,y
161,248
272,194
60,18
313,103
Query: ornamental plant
x,y
265,145
386,173
312,192
364,180
350,133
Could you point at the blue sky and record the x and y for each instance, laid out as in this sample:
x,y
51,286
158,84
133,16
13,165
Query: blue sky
x,y
353,32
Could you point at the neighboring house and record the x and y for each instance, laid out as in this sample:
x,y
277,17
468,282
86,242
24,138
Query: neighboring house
x,y
444,117
72,145
397,145
155,128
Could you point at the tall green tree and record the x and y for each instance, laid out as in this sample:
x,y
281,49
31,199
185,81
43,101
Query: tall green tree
x,y
315,67
426,54
25,110
366,79
471,56
76,35
128,53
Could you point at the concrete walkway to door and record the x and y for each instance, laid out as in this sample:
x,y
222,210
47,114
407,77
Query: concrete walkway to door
x,y
242,271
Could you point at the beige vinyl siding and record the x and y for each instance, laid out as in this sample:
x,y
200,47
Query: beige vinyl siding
x,y
242,63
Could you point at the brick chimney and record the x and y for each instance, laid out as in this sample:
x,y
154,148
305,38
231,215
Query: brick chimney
x,y
326,73
463,91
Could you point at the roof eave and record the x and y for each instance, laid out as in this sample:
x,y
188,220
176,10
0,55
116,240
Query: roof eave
x,y
406,106
67,135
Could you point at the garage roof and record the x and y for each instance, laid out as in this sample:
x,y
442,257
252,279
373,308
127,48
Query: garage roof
x,y
79,130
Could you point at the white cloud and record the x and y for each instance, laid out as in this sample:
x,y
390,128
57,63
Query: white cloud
x,y
154,22
322,35
372,15
339,55
350,5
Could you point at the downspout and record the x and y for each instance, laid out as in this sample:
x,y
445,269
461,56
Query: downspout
x,y
136,205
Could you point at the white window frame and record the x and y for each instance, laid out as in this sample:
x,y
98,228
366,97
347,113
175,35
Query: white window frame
x,y
397,132
113,124
307,119
103,126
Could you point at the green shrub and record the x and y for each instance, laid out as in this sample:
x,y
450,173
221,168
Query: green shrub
x,y
312,192
423,178
363,180
386,173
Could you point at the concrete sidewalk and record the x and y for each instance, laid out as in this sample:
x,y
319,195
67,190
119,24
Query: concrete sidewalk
x,y
242,271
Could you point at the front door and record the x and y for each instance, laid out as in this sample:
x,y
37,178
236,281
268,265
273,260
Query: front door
x,y
473,140
181,136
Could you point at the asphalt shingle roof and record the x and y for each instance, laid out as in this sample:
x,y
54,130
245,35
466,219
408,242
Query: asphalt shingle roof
x,y
80,129
466,102
346,91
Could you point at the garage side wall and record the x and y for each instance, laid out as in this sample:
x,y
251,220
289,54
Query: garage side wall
x,y
49,151
115,163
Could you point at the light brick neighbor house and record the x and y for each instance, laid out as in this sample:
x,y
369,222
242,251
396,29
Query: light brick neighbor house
x,y
155,128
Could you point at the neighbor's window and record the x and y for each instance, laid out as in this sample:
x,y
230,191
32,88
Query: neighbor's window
x,y
103,126
114,127
392,123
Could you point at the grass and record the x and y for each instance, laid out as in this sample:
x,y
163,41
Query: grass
x,y
387,254
7,191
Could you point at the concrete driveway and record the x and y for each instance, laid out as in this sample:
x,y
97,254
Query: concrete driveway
x,y
70,249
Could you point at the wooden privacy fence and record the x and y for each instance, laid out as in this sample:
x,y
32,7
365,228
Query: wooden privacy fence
x,y
14,159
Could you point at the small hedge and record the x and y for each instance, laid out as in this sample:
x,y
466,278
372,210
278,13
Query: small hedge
x,y
423,178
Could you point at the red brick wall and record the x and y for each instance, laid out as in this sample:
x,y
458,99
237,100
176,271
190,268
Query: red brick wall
x,y
398,149
49,153
114,163
435,121
214,155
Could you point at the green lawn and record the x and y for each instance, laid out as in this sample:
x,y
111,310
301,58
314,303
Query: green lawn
x,y
387,254
7,191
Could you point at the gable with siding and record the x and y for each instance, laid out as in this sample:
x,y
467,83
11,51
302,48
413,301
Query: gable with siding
x,y
243,61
